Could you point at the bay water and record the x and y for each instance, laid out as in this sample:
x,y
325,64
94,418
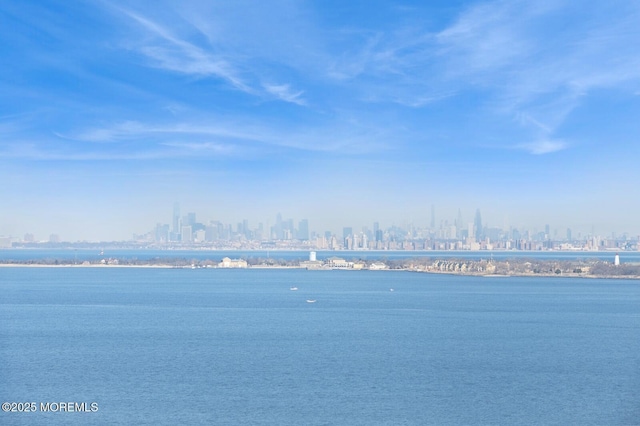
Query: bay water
x,y
240,347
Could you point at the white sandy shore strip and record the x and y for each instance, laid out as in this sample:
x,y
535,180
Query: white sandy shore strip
x,y
92,265
151,265
165,266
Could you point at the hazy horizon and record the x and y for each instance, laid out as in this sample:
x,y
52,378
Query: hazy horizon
x,y
343,114
73,230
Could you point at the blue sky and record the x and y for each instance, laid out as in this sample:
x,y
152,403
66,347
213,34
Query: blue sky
x,y
341,112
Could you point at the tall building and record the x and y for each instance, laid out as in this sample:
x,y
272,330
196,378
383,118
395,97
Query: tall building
x,y
176,223
278,229
477,225
346,231
303,230
176,219
211,233
187,234
459,224
190,219
245,228
161,233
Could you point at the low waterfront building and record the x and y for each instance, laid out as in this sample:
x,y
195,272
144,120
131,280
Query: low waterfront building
x,y
232,263
338,263
312,264
377,266
5,242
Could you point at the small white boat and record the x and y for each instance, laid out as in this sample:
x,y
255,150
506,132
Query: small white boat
x,y
391,289
293,288
311,300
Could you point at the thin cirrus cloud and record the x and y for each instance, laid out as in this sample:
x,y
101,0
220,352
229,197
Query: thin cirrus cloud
x,y
521,53
499,47
541,147
134,130
284,92
349,137
524,59
172,52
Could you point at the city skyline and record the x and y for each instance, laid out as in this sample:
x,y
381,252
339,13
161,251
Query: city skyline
x,y
345,114
183,226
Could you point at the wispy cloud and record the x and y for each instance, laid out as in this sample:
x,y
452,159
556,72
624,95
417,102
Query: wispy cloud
x,y
233,136
535,70
284,92
134,130
545,146
173,53
490,36
35,151
202,147
532,63
170,51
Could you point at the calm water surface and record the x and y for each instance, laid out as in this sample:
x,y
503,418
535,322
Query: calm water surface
x,y
238,347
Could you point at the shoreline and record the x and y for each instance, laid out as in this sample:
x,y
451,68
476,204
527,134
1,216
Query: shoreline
x,y
44,265
288,267
533,275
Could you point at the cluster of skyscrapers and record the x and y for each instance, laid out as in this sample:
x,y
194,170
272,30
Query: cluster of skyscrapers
x,y
186,230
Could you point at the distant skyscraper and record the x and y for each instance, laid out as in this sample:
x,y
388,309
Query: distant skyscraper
x,y
211,233
245,228
477,224
176,219
162,233
289,229
459,224
187,234
303,230
278,228
191,219
569,235
346,231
